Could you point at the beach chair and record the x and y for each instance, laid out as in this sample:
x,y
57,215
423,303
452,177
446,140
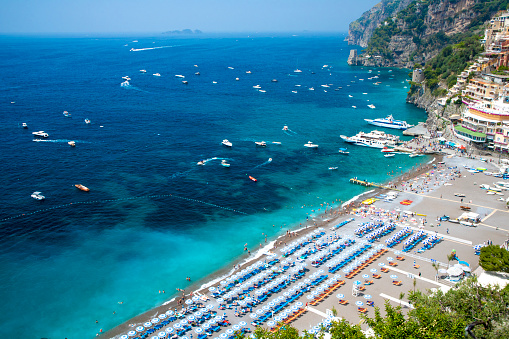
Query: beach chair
x,y
361,288
370,303
416,266
362,309
397,283
384,269
343,302
368,282
377,276
401,258
392,263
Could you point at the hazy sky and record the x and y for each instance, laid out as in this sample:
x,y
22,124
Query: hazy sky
x,y
116,16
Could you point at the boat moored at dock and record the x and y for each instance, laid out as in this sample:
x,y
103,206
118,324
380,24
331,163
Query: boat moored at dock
x,y
389,122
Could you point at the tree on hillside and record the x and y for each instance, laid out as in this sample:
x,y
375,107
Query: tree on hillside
x,y
494,258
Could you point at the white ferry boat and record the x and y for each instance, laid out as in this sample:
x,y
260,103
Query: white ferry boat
x,y
375,139
389,122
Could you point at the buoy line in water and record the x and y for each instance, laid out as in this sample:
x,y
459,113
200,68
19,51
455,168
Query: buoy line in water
x,y
122,199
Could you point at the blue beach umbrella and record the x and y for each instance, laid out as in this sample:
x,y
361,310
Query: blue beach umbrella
x,y
312,331
223,282
223,336
359,303
299,304
367,296
212,289
277,319
229,331
373,270
154,320
260,311
242,323
205,326
253,315
170,330
266,308
184,337
381,264
357,282
220,300
212,321
394,276
259,292
236,327
162,334
310,297
177,326
271,304
365,276
271,323
124,336
140,329
184,321
191,317
147,324
390,259
189,301
198,314
209,307
198,330
340,296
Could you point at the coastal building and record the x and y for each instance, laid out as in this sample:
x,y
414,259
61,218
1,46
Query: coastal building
x,y
481,90
417,75
486,122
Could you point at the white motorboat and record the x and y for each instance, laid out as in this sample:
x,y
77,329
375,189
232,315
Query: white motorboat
x,y
389,155
224,163
197,73
24,125
229,67
297,71
326,86
343,151
354,106
38,196
285,128
375,139
311,88
87,121
387,150
371,106
71,143
200,163
66,114
333,168
389,122
41,134
274,80
179,76
261,143
143,71
156,74
257,86
126,78
185,82
294,91
310,145
262,91
227,143
248,72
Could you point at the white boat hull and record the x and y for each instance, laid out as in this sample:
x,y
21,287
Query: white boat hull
x,y
386,125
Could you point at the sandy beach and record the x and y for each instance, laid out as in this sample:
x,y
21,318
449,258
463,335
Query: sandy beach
x,y
436,189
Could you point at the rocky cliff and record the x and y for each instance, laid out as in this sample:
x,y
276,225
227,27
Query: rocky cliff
x,y
360,30
417,32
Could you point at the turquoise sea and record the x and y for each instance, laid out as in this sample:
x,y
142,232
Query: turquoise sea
x,y
152,216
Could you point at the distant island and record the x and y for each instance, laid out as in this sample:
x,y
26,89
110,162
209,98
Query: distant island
x,y
184,32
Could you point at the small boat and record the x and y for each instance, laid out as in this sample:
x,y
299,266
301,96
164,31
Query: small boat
x,y
253,179
274,80
387,150
277,142
294,91
297,71
126,78
71,143
343,151
257,86
310,145
38,196
311,88
350,96
184,82
143,71
262,91
197,73
227,143
371,106
214,82
224,163
229,67
285,128
156,74
326,86
389,155
66,114
83,188
200,163
461,195
24,125
333,168
87,121
261,143
270,160
248,72
354,106
179,76
237,79
41,134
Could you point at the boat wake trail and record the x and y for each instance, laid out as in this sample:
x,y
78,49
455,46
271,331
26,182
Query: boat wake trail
x,y
289,132
61,141
149,48
93,202
214,158
265,163
127,85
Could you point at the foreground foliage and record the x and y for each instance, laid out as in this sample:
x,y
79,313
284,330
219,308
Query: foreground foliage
x,y
494,258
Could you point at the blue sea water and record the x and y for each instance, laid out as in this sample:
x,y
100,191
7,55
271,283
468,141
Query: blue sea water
x,y
152,216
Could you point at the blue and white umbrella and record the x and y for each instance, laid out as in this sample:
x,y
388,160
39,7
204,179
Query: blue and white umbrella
x,y
310,297
390,259
198,314
253,315
394,276
266,308
277,319
359,303
147,324
312,331
191,317
236,327
315,293
373,270
248,299
223,282
184,337
162,316
220,300
162,334
258,292
198,330
365,276
299,304
229,331
184,321
316,328
154,337
242,323
367,296
271,323
170,330
397,252
218,317
212,289
154,320
169,313
213,321
177,326
242,303
340,296
223,336
205,326
189,301
124,336
140,329
381,264
271,304
209,307
131,333
357,282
